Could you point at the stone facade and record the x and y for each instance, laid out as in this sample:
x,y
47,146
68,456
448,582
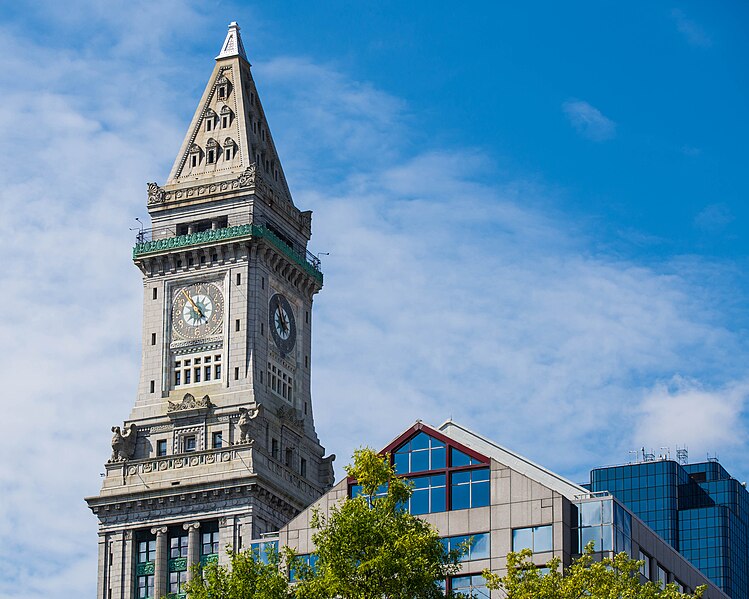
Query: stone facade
x,y
220,447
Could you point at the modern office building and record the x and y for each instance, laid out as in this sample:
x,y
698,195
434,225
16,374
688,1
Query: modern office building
x,y
468,486
699,509
220,446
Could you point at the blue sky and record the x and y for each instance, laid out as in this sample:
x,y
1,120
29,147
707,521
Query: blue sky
x,y
535,216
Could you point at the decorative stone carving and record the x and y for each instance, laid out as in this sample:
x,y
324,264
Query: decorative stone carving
x,y
247,178
156,195
123,443
190,403
244,422
290,416
326,474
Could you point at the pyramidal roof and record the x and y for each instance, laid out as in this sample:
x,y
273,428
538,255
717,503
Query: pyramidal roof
x,y
229,132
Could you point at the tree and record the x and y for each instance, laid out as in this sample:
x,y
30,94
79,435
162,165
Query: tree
x,y
371,547
610,578
247,576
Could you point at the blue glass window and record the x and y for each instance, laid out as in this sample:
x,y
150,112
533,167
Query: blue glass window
x,y
429,495
536,538
470,488
458,458
263,549
473,585
309,559
419,454
478,545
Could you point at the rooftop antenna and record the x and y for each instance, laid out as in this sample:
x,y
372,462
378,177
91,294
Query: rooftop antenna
x,y
139,229
666,455
682,455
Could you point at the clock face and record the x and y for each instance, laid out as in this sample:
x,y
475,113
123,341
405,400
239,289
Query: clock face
x,y
281,322
198,310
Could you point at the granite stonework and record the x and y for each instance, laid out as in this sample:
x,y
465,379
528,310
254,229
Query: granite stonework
x,y
220,446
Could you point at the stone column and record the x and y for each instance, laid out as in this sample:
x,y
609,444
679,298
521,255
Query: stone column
x,y
193,546
161,567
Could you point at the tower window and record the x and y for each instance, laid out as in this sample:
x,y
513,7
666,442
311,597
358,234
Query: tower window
x,y
236,373
289,457
274,448
236,325
153,338
303,467
306,317
193,160
188,443
262,282
155,293
161,447
228,153
198,368
211,156
239,279
209,125
218,440
225,121
153,386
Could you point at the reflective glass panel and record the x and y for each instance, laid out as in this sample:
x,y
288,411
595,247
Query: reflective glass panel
x,y
542,540
522,538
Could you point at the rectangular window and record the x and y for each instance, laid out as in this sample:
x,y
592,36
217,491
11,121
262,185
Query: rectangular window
x,y
178,546
155,293
161,447
429,495
421,453
274,448
475,546
208,124
197,374
153,386
236,325
662,577
145,586
218,439
236,373
308,559
153,338
187,377
473,585
303,467
536,538
210,543
470,488
146,551
177,378
645,566
207,373
224,121
188,443
217,371
194,160
177,582
289,458
239,279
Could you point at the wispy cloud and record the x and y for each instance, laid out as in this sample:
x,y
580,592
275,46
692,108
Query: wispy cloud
x,y
588,121
444,295
714,218
691,30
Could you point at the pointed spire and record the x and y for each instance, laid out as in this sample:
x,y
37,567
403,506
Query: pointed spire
x,y
232,44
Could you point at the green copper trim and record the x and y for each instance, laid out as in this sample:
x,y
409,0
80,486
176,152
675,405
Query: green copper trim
x,y
211,558
178,564
145,569
212,235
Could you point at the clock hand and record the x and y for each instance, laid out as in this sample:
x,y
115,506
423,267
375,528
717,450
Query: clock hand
x,y
194,305
281,315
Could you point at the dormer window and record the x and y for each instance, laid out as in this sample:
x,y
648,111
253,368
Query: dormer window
x,y
226,117
223,88
194,155
211,151
210,120
230,148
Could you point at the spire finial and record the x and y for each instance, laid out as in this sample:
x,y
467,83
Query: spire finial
x,y
232,45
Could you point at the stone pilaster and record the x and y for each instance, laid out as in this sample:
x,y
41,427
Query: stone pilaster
x,y
161,567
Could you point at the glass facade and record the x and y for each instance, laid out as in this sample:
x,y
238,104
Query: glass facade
x,y
699,509
604,522
444,477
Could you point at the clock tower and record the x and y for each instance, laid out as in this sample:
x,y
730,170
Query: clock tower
x,y
220,446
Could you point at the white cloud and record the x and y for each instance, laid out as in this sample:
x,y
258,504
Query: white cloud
x,y
444,296
588,121
684,412
714,218
691,30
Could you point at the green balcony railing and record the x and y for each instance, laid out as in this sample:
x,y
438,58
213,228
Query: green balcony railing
x,y
309,263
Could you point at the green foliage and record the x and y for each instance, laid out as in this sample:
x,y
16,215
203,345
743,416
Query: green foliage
x,y
610,578
246,577
370,547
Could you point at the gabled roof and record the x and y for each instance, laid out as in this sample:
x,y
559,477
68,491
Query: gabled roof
x,y
512,460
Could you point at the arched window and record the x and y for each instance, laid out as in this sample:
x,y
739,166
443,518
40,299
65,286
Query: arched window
x,y
195,155
223,88
211,151
226,117
230,149
210,120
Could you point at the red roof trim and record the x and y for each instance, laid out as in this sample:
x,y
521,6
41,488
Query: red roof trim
x,y
418,427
